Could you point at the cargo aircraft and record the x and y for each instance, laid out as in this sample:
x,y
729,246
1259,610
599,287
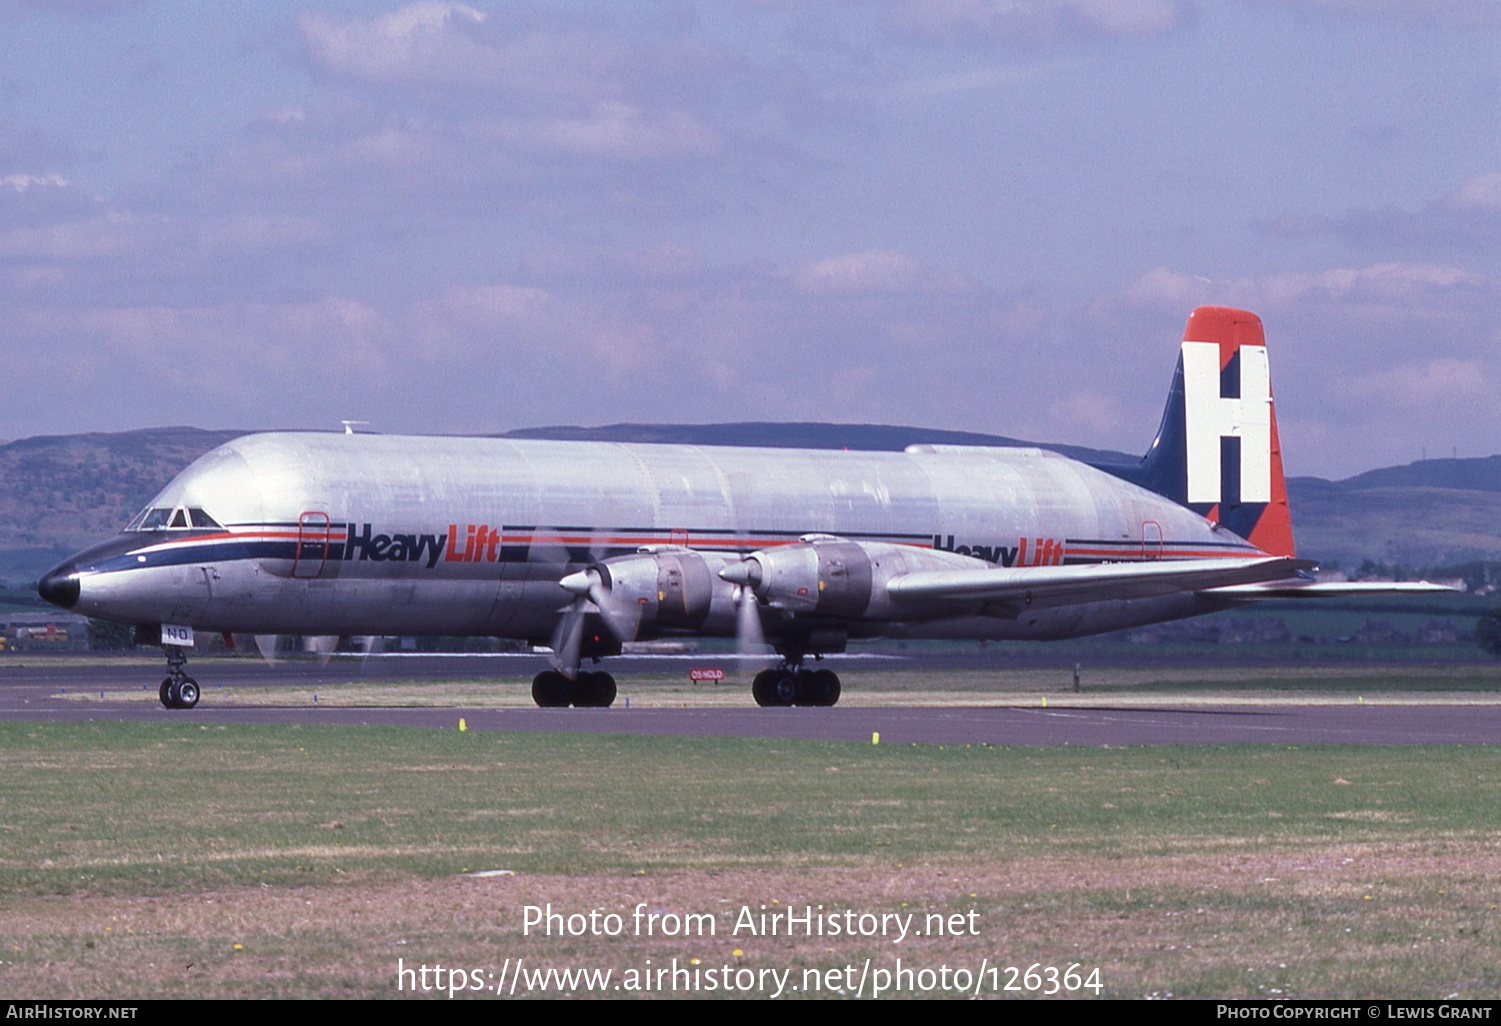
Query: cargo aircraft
x,y
585,546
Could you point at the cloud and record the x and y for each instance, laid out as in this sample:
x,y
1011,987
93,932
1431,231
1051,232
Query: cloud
x,y
614,130
597,267
1437,382
111,235
432,108
533,328
229,360
954,83
514,58
1481,194
872,272
1095,413
427,41
1369,363
1467,218
1451,12
1382,285
1030,21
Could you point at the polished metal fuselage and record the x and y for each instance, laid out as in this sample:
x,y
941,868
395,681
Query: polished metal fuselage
x,y
375,534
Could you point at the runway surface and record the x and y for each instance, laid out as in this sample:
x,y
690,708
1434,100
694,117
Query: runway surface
x,y
30,694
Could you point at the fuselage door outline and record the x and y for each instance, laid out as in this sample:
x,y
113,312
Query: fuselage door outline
x,y
1151,540
311,555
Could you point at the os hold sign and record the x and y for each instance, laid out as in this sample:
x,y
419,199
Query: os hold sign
x,y
705,674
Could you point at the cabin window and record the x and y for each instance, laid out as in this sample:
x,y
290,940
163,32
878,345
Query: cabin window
x,y
179,519
198,518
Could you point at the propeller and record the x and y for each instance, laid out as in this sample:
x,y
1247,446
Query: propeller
x,y
593,595
321,646
266,645
750,638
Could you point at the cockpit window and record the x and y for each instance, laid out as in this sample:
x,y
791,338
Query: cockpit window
x,y
167,517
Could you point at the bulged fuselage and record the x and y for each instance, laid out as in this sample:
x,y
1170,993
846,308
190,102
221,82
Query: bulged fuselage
x,y
314,533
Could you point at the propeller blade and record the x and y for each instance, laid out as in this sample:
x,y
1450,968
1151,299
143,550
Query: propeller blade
x,y
621,616
568,640
321,646
266,645
750,639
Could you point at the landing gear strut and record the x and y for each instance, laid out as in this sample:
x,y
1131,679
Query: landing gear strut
x,y
791,684
178,691
594,690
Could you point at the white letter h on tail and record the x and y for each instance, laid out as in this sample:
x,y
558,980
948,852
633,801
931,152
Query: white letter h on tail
x,y
1210,417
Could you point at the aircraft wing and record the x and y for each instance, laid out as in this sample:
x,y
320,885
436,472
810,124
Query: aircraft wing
x,y
1044,586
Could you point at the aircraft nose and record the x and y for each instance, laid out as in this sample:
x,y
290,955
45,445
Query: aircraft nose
x,y
60,586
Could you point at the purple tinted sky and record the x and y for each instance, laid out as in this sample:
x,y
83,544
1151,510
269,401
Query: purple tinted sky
x,y
982,214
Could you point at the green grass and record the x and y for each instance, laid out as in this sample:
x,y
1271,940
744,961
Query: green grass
x,y
146,808
249,861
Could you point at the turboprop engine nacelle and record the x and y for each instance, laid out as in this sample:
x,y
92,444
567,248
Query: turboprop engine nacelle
x,y
829,576
660,590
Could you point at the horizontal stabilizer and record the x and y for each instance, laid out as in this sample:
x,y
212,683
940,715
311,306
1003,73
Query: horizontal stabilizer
x,y
1044,586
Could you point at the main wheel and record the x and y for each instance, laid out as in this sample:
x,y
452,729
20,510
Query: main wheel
x,y
761,688
552,690
165,693
822,688
186,693
774,687
594,690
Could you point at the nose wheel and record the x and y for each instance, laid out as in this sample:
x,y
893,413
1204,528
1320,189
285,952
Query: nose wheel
x,y
178,691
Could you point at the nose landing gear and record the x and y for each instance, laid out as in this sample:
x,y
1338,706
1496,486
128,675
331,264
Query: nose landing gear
x,y
178,691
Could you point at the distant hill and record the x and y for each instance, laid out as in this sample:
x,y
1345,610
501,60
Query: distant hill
x,y
1428,513
1475,475
59,493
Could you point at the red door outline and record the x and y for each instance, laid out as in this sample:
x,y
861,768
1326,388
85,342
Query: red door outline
x,y
1151,539
312,544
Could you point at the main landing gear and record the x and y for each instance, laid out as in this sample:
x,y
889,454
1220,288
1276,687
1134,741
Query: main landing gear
x,y
591,690
790,684
178,691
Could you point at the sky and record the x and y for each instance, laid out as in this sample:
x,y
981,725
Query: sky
x,y
986,215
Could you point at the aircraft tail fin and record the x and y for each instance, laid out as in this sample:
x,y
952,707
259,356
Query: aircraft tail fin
x,y
1217,450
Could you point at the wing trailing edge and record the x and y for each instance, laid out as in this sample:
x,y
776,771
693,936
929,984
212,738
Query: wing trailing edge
x,y
1096,582
1325,589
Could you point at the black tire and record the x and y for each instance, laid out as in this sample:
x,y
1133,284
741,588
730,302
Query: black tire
x,y
594,691
823,688
762,690
552,690
186,692
784,687
165,693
